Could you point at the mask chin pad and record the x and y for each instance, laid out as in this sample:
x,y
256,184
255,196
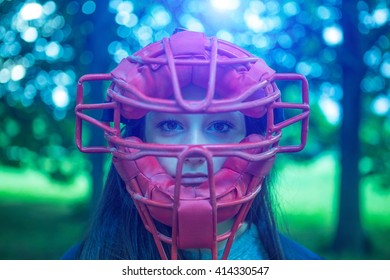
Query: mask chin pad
x,y
195,224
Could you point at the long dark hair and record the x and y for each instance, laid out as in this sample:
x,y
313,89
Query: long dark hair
x,y
117,231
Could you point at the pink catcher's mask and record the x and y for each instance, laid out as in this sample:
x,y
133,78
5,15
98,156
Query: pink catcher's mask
x,y
152,80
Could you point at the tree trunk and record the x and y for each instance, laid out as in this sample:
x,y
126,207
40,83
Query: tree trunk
x,y
349,236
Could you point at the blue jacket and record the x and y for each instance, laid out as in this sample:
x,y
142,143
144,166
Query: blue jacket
x,y
246,247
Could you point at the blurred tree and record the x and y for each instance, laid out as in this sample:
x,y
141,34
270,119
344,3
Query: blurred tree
x,y
357,43
353,70
36,58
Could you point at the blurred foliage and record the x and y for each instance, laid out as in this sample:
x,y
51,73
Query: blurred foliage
x,y
44,48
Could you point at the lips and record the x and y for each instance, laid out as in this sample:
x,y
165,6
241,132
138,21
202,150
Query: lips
x,y
191,179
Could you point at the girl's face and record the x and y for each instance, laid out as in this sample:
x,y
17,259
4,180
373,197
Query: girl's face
x,y
167,128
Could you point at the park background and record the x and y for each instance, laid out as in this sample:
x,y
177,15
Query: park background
x,y
334,197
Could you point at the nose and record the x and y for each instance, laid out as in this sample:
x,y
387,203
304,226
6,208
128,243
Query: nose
x,y
195,157
195,161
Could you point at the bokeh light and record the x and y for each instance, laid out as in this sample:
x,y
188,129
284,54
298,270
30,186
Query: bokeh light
x,y
49,8
60,97
30,34
191,23
18,72
380,16
385,67
88,7
324,13
225,35
331,109
291,8
372,57
5,75
329,102
53,50
161,17
381,105
226,5
333,35
31,11
123,6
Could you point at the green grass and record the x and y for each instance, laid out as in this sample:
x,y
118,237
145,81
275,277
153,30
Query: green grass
x,y
41,219
309,199
39,230
24,185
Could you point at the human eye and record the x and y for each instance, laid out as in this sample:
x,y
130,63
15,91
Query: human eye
x,y
221,126
169,126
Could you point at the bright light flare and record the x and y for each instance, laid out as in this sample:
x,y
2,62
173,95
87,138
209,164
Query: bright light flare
x,y
18,72
31,11
333,35
381,16
226,5
60,97
30,35
381,105
331,109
